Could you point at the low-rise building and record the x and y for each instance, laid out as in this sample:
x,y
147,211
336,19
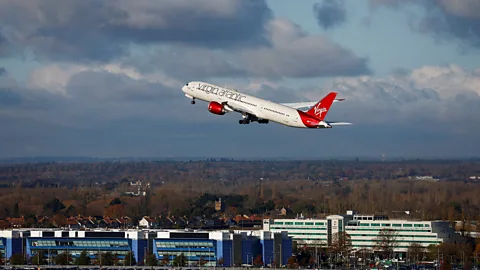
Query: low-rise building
x,y
199,248
363,230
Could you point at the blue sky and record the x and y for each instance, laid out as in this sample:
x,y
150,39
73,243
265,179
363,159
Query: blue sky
x,y
103,78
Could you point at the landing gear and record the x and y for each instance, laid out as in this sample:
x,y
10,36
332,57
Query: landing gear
x,y
247,118
192,102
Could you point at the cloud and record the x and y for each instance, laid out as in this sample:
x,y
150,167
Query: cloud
x,y
102,109
8,97
55,77
106,75
101,30
444,95
445,20
297,54
96,95
6,80
183,39
330,13
294,53
86,97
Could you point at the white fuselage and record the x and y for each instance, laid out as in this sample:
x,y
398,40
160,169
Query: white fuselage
x,y
261,108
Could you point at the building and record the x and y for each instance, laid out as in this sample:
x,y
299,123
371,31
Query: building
x,y
363,230
223,248
11,242
118,242
199,248
147,222
276,247
218,205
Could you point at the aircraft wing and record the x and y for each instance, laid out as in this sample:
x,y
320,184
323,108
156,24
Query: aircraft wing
x,y
307,104
239,108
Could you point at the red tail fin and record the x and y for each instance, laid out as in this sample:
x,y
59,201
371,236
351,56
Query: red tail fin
x,y
320,109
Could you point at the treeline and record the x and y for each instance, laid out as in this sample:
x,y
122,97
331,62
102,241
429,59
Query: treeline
x,y
70,175
423,199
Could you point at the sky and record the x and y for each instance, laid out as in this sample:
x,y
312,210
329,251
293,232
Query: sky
x,y
103,78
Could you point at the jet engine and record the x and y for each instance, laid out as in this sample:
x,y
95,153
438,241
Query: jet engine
x,y
216,108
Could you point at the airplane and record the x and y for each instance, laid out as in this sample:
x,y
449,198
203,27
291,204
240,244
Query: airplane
x,y
223,100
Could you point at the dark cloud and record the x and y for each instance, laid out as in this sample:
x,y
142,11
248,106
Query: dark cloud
x,y
330,13
445,20
6,81
184,39
294,54
3,45
100,30
9,98
187,63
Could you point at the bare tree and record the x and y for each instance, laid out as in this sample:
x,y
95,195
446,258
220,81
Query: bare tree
x,y
386,242
341,245
416,252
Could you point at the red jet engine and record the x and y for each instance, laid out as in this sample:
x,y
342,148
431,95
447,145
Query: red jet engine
x,y
216,108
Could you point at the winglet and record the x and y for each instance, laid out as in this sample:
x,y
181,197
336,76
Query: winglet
x,y
320,109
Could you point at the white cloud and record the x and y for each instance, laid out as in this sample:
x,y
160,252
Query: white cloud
x,y
295,53
429,93
448,81
55,77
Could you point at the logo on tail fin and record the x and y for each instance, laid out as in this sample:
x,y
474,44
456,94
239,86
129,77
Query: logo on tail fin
x,y
318,111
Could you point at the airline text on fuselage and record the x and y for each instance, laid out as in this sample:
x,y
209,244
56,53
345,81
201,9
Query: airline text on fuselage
x,y
221,92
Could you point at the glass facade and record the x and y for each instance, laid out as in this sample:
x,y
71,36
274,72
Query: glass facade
x,y
198,252
2,247
51,247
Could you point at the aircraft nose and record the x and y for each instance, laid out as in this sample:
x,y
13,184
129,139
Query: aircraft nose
x,y
184,88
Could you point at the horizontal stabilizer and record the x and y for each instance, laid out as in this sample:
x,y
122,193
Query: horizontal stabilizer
x,y
339,123
307,104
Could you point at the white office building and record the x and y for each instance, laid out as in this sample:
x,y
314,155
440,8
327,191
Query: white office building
x,y
363,230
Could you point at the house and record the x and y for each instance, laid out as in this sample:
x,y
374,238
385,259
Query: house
x,y
148,222
249,222
73,224
126,222
16,222
111,223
